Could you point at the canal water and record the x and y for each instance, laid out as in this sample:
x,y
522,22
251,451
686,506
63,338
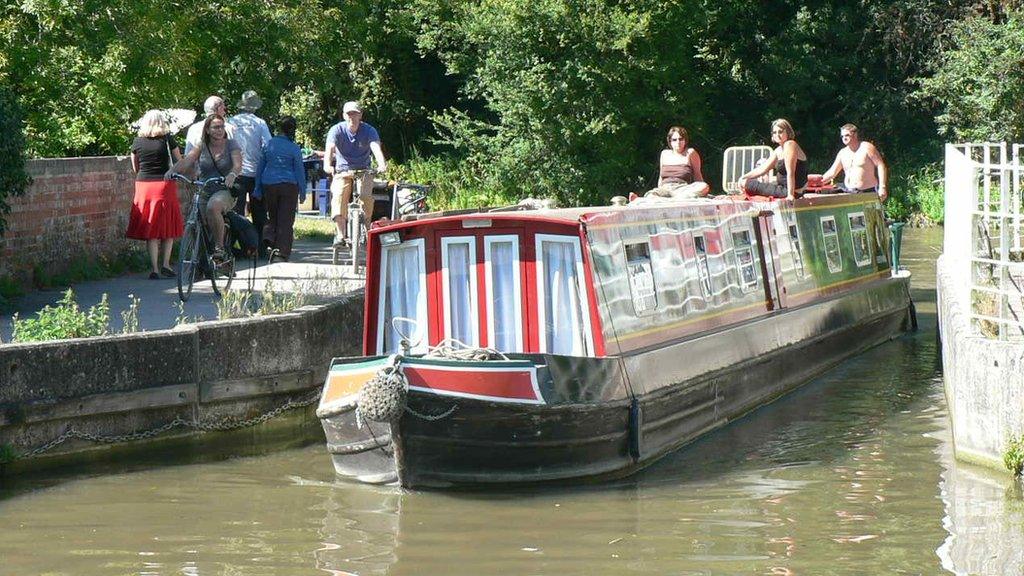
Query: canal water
x,y
853,474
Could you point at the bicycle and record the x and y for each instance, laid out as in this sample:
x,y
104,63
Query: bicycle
x,y
408,198
196,248
356,223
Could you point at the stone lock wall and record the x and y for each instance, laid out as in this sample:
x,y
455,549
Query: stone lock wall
x,y
984,379
75,208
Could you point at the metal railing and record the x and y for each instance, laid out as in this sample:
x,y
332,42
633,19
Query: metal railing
x,y
984,220
738,160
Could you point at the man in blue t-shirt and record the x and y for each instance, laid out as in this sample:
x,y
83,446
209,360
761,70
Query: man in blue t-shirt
x,y
349,145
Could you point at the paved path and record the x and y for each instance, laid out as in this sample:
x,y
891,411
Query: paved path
x,y
309,268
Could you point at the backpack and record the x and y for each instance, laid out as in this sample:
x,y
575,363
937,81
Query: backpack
x,y
245,233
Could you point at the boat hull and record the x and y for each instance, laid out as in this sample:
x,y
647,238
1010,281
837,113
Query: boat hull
x,y
600,418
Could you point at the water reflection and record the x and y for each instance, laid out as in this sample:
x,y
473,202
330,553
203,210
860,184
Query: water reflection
x,y
851,475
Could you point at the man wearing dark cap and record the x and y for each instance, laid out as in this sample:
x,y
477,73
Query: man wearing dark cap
x,y
349,146
252,134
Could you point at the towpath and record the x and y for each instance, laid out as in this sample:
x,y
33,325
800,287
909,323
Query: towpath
x,y
310,268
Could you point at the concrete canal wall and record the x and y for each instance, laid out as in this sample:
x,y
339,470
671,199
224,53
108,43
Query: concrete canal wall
x,y
984,378
76,400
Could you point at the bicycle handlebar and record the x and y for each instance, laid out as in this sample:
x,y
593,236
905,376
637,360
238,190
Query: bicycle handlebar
x,y
200,183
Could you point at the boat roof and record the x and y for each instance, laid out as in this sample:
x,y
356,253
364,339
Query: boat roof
x,y
570,216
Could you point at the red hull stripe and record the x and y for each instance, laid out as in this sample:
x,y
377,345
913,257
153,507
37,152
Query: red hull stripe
x,y
498,384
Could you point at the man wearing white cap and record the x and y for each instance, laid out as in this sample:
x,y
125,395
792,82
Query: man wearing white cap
x,y
349,145
252,134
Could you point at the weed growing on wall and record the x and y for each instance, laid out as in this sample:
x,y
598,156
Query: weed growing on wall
x,y
279,300
1013,457
65,320
182,318
130,316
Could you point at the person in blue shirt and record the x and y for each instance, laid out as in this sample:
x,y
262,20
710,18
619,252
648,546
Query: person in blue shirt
x,y
349,146
281,183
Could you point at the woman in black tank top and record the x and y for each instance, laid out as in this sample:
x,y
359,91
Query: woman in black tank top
x,y
790,165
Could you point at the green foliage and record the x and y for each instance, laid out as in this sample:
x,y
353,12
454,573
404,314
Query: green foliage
x,y
1013,457
7,455
65,320
14,180
9,288
978,81
494,100
455,184
916,190
565,96
87,69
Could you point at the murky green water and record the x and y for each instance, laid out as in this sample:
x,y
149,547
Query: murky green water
x,y
853,474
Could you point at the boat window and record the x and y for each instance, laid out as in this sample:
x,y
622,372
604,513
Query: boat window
x,y
641,278
830,237
744,259
794,246
563,308
403,295
504,293
458,271
701,249
859,237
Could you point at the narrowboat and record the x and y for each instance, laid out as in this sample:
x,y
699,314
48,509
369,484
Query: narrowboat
x,y
616,334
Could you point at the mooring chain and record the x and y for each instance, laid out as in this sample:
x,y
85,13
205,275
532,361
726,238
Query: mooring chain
x,y
226,424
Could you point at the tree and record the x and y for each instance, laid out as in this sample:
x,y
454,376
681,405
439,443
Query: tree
x,y
979,80
14,180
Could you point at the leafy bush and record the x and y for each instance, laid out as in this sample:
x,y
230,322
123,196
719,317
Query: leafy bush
x,y
1013,457
916,190
65,320
14,180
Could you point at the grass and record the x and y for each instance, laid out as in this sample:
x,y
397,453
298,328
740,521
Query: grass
x,y
321,229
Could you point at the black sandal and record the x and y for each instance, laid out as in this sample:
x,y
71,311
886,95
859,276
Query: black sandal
x,y
167,272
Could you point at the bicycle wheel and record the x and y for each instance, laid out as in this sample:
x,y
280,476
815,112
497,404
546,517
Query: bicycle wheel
x,y
226,267
188,260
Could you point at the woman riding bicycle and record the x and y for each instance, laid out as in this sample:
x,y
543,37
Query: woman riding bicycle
x,y
221,156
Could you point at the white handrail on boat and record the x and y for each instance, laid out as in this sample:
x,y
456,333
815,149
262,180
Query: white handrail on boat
x,y
739,160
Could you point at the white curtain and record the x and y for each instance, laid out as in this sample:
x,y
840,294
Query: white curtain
x,y
402,295
562,302
460,296
503,287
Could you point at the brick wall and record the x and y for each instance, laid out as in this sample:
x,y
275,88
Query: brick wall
x,y
75,208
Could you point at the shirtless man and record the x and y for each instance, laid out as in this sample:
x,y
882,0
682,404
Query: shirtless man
x,y
860,160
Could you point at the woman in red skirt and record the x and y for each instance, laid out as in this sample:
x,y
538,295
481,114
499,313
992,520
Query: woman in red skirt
x,y
156,214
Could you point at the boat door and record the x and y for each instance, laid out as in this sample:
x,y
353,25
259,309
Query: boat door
x,y
482,280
